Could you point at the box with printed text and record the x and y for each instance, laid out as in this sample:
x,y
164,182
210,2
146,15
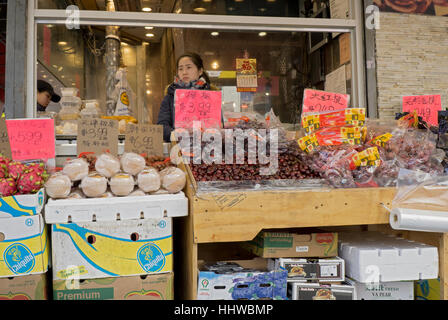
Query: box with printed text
x,y
22,205
30,287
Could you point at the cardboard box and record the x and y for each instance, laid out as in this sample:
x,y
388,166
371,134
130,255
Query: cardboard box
x,y
31,287
285,244
253,283
147,287
22,205
117,208
427,289
395,290
24,246
93,250
319,291
328,270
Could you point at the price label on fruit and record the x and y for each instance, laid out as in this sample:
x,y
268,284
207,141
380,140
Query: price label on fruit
x,y
31,139
320,101
203,106
97,136
147,139
5,147
427,107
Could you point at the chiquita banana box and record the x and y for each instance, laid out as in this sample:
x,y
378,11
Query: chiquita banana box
x,y
22,205
24,246
112,248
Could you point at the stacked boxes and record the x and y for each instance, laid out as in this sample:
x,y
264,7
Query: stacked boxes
x,y
24,248
111,243
314,272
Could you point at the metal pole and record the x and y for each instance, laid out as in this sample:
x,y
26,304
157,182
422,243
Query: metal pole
x,y
112,60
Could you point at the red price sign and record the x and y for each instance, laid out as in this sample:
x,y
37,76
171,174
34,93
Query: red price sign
x,y
197,105
427,107
319,101
31,138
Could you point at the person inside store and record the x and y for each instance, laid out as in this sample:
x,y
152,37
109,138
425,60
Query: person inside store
x,y
191,75
45,94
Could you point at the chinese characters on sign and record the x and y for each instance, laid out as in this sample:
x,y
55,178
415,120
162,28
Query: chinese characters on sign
x,y
427,107
31,138
246,75
197,105
146,139
98,136
319,101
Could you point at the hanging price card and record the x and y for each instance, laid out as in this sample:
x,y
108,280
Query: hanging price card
x,y
318,101
5,147
31,139
98,136
197,105
427,107
146,139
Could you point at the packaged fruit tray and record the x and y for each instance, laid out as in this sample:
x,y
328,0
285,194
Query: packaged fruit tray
x,y
116,208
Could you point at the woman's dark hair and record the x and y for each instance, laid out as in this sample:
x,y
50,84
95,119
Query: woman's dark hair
x,y
197,60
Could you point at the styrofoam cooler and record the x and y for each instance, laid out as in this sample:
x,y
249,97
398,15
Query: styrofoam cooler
x,y
374,256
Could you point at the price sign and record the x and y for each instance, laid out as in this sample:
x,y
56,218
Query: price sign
x,y
142,138
319,101
98,136
426,106
5,147
31,139
197,105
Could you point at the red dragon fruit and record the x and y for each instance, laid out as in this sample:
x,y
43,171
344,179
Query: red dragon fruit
x,y
4,160
30,181
39,167
15,169
3,171
7,187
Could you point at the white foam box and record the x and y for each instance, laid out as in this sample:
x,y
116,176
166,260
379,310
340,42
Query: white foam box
x,y
372,257
116,208
22,205
318,291
395,290
24,246
89,250
305,269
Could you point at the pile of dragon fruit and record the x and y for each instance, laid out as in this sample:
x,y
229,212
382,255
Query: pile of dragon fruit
x,y
21,178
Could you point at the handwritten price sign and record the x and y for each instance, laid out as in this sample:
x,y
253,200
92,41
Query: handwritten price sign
x,y
427,107
144,139
98,136
197,105
31,139
319,101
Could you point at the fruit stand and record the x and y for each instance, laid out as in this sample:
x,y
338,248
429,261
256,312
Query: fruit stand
x,y
218,218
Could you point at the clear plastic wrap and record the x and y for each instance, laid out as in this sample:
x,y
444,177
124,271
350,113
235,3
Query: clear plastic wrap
x,y
132,163
122,184
149,180
107,165
58,186
173,179
94,185
137,193
350,117
76,169
76,194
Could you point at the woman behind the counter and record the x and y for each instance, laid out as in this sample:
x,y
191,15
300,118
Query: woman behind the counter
x,y
190,75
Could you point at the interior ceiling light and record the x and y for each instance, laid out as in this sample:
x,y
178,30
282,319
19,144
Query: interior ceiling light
x,y
62,43
271,0
199,10
49,26
149,28
150,35
215,33
239,0
262,34
60,69
146,9
262,9
215,65
207,0
230,8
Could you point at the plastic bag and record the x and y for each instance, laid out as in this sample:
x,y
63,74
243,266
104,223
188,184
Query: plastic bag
x,y
173,179
76,169
314,121
123,95
94,185
132,163
58,186
107,165
149,180
122,184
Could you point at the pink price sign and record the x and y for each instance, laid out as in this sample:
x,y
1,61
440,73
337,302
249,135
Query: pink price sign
x,y
427,107
31,139
319,101
197,105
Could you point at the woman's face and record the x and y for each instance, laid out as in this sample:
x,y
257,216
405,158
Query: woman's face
x,y
43,98
187,71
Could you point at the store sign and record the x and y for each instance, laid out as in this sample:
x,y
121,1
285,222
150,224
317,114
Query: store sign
x,y
246,75
31,139
5,147
97,136
197,105
142,138
319,101
426,106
